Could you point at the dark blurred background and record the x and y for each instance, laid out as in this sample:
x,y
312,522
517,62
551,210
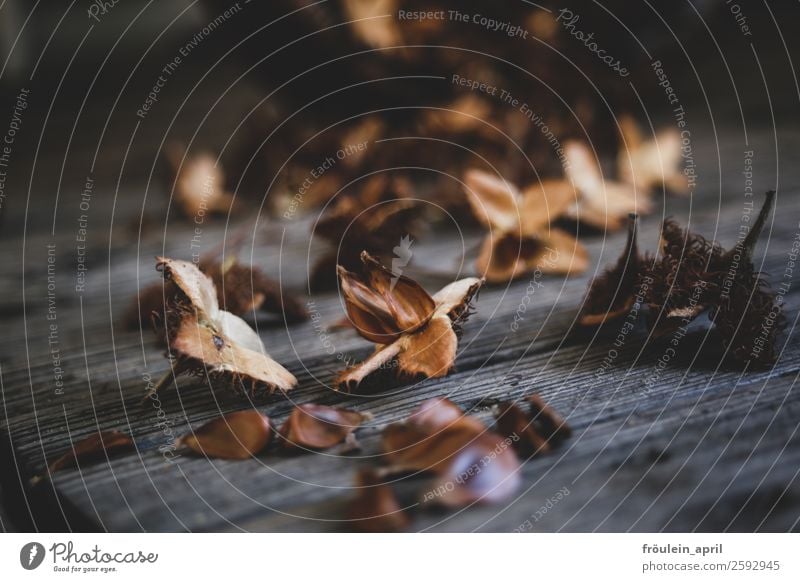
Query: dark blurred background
x,y
89,67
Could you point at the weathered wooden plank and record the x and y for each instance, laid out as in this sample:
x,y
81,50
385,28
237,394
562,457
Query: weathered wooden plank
x,y
741,427
622,448
563,388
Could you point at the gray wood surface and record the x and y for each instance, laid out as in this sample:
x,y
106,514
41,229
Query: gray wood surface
x,y
706,448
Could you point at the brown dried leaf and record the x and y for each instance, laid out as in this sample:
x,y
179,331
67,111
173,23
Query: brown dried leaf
x,y
93,448
237,435
315,426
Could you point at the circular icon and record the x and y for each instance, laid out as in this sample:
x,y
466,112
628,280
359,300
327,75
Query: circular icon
x,y
31,555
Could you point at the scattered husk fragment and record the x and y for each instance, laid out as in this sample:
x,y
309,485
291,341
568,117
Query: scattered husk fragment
x,y
469,462
603,203
549,422
417,335
535,430
691,275
653,163
519,238
199,183
96,447
748,313
375,219
580,101
203,339
466,114
375,508
236,435
612,294
242,289
372,22
512,420
315,426
148,301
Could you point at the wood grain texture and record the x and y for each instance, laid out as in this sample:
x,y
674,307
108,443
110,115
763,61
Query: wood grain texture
x,y
706,447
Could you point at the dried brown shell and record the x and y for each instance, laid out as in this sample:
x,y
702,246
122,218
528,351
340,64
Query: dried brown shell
x,y
149,300
468,113
417,332
513,422
747,313
205,339
692,275
366,131
96,447
499,204
375,508
240,290
534,430
383,306
315,426
549,422
471,463
237,435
